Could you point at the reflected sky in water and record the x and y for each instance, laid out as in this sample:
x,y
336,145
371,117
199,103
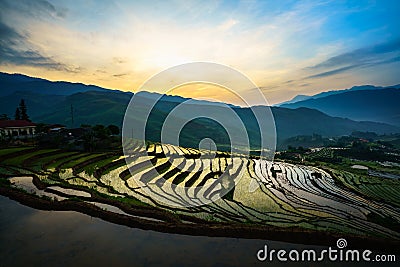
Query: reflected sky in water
x,y
30,237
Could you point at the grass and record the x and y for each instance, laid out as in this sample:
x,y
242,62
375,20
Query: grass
x,y
19,160
63,160
48,159
379,189
73,163
6,151
4,182
6,171
91,168
127,200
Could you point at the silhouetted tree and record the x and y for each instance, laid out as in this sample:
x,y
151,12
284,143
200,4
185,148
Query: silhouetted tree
x,y
17,114
100,131
23,110
114,130
89,142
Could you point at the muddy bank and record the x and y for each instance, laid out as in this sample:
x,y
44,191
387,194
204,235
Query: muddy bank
x,y
252,231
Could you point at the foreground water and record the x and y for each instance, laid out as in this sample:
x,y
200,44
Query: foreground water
x,y
30,237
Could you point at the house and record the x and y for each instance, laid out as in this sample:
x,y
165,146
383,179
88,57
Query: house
x,y
17,128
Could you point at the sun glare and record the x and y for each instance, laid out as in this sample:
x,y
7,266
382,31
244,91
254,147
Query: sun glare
x,y
209,92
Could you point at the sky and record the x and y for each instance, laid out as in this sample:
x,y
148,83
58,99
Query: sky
x,y
286,48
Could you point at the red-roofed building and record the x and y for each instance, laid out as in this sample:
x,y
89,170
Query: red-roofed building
x,y
17,128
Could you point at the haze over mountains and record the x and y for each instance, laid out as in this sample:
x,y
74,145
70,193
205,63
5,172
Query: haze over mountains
x,y
50,102
380,104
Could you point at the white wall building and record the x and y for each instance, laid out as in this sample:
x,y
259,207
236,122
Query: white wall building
x,y
17,128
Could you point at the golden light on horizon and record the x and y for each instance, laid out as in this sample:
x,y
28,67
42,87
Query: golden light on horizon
x,y
209,92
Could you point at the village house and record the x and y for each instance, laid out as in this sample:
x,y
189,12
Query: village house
x,y
17,128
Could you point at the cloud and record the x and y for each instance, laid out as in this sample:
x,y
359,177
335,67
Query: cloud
x,y
8,35
227,25
15,45
119,60
304,84
120,75
38,8
371,56
16,50
332,72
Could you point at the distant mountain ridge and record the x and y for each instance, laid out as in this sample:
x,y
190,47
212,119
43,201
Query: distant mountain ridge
x,y
295,99
103,106
299,98
381,105
11,83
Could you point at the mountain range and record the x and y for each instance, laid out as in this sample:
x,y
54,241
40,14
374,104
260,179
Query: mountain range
x,y
52,102
11,83
298,98
379,104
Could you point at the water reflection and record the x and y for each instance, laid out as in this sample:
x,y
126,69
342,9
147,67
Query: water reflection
x,y
30,237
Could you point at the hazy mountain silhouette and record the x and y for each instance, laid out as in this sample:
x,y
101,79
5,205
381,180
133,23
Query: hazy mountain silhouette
x,y
381,105
295,99
104,106
299,98
11,83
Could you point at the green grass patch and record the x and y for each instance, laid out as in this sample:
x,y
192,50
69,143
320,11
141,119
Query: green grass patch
x,y
388,222
64,160
47,159
4,182
19,160
77,161
7,171
91,168
6,151
379,189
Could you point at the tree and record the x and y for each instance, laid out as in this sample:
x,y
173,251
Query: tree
x,y
100,131
23,110
17,114
4,117
113,129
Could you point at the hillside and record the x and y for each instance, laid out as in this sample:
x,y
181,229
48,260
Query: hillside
x,y
108,107
38,104
91,107
373,105
11,83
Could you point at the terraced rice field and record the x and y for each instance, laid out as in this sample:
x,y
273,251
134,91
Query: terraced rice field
x,y
267,193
